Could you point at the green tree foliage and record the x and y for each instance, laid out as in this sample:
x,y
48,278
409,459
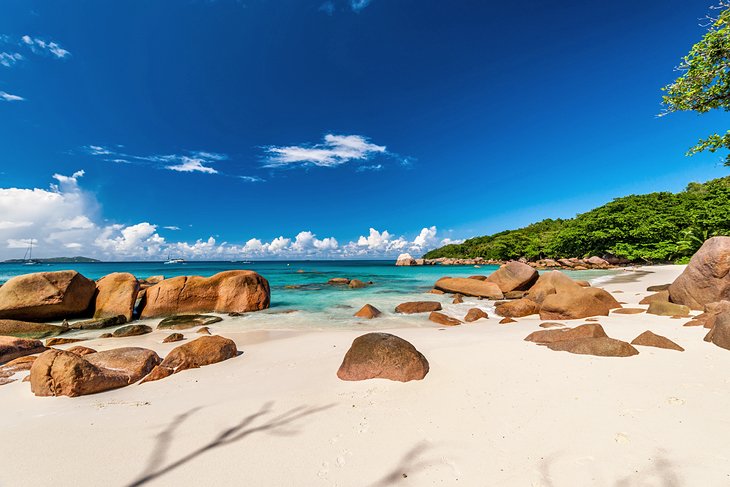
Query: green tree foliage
x,y
705,82
656,227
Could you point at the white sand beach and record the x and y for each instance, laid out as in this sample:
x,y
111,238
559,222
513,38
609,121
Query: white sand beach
x,y
493,410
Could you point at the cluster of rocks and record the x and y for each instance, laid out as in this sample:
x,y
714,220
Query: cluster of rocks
x,y
27,302
351,283
576,264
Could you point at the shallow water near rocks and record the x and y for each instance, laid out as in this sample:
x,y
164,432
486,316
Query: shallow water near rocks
x,y
301,297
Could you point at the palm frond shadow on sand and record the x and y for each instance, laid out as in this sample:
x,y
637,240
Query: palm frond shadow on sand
x,y
158,466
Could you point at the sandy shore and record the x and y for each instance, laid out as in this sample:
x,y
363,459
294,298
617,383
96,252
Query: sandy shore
x,y
494,410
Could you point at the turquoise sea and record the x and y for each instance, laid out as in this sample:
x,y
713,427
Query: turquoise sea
x,y
300,295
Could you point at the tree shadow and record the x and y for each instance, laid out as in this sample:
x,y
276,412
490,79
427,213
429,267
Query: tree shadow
x,y
409,464
661,470
274,425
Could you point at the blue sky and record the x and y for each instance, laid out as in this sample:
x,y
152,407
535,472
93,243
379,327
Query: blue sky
x,y
342,128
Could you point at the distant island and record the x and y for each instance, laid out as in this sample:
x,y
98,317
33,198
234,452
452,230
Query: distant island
x,y
56,260
648,228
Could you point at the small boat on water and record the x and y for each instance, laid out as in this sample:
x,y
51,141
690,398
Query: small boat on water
x,y
28,257
173,261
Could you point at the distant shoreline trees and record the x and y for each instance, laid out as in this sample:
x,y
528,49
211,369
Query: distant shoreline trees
x,y
655,227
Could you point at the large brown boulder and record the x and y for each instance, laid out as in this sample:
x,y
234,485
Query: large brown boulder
x,y
469,287
28,329
60,373
115,295
650,339
518,308
202,351
384,356
225,292
45,296
514,276
418,307
577,303
707,276
601,347
12,348
590,330
550,283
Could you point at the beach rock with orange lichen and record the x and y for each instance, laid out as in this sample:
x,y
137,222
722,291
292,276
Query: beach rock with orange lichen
x,y
514,276
418,307
46,296
706,279
116,295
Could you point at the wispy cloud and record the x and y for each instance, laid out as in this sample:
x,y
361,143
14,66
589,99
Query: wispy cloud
x,y
329,7
8,97
40,46
374,167
334,151
171,227
252,179
8,59
196,161
358,5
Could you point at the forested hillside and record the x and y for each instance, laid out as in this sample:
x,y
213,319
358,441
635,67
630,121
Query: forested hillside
x,y
655,227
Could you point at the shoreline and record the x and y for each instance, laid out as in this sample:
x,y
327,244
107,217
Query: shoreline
x,y
493,406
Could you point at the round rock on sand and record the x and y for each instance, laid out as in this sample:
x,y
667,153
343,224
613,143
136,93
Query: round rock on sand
x,y
475,314
418,307
174,337
384,356
131,330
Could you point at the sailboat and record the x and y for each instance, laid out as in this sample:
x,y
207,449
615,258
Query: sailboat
x,y
28,257
174,261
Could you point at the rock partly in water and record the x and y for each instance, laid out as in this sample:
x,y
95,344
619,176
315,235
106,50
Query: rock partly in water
x,y
600,347
650,339
131,330
475,314
183,322
357,284
174,337
368,312
443,319
28,329
13,347
418,307
116,295
339,281
706,279
384,356
518,308
100,323
225,292
469,287
514,276
46,296
577,303
665,308
405,260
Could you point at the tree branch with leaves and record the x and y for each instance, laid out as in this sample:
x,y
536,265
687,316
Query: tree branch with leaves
x,y
705,82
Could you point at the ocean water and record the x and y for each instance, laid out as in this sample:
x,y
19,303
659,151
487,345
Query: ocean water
x,y
300,295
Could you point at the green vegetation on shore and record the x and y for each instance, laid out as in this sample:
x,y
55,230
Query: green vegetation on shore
x,y
56,260
655,227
